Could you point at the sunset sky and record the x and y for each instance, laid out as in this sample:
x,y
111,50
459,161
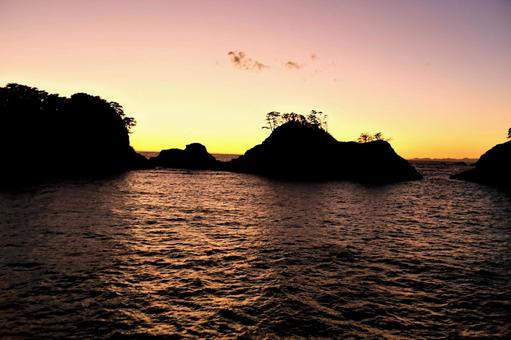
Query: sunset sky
x,y
433,75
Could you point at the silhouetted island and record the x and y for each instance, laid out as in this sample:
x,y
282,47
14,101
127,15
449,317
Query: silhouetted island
x,y
194,156
300,148
493,168
48,136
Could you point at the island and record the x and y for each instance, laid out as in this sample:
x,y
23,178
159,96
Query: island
x,y
300,148
46,136
194,156
492,168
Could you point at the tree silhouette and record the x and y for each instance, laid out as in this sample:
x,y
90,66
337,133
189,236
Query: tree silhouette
x,y
509,133
129,122
366,137
318,118
45,132
272,120
315,119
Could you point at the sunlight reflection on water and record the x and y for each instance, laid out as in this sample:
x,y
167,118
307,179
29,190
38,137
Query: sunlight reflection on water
x,y
201,253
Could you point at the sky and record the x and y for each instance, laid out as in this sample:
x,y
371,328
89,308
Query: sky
x,y
434,76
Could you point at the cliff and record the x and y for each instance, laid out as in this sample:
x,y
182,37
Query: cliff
x,y
302,152
47,136
493,167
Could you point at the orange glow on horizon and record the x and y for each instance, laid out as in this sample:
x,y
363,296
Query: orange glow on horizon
x,y
434,78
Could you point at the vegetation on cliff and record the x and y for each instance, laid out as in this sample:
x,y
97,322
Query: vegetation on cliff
x,y
300,148
47,135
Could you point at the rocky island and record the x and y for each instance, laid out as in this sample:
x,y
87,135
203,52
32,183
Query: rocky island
x,y
194,156
300,148
48,136
492,168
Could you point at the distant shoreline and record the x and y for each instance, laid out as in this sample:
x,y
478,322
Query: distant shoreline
x,y
229,156
450,160
224,157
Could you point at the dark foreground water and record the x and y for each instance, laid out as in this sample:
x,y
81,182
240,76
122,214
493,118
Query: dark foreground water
x,y
208,254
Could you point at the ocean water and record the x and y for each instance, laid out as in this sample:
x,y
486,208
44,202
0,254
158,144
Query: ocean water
x,y
217,254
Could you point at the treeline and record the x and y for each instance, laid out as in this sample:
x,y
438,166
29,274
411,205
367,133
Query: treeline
x,y
366,137
315,119
43,132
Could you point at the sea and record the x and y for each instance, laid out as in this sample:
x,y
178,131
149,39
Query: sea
x,y
202,254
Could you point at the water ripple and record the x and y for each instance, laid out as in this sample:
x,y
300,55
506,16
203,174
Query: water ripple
x,y
211,254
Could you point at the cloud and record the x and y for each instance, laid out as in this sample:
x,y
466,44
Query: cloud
x,y
240,60
259,65
292,65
